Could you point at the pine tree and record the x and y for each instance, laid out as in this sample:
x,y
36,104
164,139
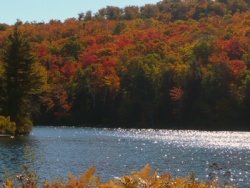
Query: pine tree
x,y
24,78
1,86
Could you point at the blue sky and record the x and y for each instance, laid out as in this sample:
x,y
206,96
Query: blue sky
x,y
45,10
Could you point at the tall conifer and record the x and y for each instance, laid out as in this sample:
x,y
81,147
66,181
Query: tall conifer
x,y
24,78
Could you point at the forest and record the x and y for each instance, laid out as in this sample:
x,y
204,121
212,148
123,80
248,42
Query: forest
x,y
174,64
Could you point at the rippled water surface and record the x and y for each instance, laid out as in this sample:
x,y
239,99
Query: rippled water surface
x,y
116,152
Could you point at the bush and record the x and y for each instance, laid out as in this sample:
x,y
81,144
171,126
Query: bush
x,y
24,125
147,178
6,126
3,27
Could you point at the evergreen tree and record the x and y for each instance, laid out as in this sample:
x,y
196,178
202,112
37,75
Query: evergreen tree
x,y
2,88
24,79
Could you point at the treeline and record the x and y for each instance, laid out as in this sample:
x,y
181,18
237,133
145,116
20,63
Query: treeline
x,y
169,10
178,64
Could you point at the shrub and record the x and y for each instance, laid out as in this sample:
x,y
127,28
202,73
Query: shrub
x,y
25,125
147,178
6,126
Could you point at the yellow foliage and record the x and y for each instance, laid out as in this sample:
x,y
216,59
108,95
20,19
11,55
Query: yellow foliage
x,y
88,180
111,184
181,182
9,183
6,126
147,178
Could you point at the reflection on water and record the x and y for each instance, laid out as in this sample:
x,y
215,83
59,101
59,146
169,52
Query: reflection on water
x,y
117,152
12,156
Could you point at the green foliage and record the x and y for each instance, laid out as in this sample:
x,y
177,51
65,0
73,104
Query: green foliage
x,y
72,48
6,126
24,78
3,27
202,51
174,62
25,124
113,13
88,16
119,27
2,90
131,12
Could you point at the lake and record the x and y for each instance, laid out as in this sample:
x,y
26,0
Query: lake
x,y
58,151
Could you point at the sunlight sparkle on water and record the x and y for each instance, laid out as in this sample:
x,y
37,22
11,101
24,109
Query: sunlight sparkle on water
x,y
116,152
204,139
214,151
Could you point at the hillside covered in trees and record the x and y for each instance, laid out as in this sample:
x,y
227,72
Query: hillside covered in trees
x,y
183,64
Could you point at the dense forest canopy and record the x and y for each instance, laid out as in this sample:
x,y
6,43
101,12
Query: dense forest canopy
x,y
177,63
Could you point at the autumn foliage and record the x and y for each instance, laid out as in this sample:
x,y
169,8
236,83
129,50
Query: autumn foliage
x,y
147,178
172,64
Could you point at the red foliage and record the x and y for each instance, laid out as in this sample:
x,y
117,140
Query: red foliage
x,y
237,68
42,51
220,58
62,104
184,28
235,49
176,93
68,69
123,41
87,59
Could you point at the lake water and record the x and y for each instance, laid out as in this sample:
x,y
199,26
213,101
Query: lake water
x,y
57,151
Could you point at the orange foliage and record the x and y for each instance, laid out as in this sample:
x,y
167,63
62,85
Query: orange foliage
x,y
169,31
238,66
147,178
68,69
42,51
176,93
